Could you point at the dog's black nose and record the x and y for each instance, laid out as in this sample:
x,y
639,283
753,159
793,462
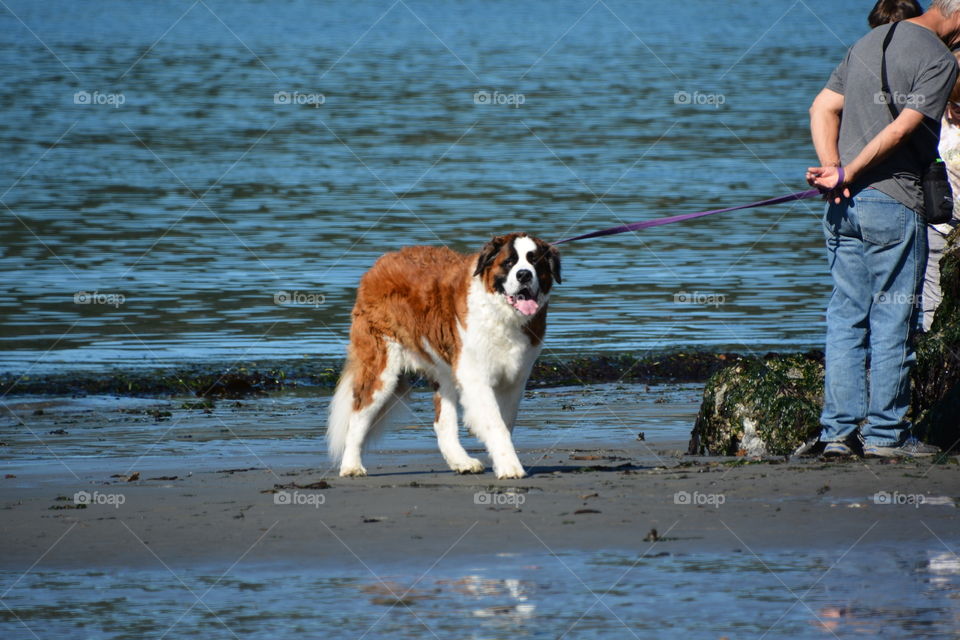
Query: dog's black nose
x,y
524,276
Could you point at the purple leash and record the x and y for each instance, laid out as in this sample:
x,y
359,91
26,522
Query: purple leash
x,y
656,222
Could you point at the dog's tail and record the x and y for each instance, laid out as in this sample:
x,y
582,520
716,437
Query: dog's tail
x,y
342,408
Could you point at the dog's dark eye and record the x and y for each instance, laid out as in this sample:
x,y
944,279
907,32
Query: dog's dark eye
x,y
531,257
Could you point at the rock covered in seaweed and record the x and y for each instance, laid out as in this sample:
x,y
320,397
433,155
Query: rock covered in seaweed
x,y
772,406
760,407
936,379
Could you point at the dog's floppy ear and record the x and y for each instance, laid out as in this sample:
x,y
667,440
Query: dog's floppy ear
x,y
553,259
488,253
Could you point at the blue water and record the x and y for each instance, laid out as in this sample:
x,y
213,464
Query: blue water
x,y
156,194
648,594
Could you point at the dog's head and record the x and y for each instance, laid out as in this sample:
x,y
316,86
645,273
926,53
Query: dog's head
x,y
520,268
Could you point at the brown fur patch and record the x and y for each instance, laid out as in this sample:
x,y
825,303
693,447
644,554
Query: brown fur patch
x,y
537,327
495,269
414,295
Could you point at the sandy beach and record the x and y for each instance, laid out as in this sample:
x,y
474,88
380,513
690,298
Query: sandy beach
x,y
183,511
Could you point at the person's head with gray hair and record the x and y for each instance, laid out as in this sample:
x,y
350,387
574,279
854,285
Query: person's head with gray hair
x,y
943,18
946,7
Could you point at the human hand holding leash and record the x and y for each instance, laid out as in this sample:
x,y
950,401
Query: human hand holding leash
x,y
830,181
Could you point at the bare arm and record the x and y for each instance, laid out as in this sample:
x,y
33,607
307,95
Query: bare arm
x,y
825,116
885,142
825,126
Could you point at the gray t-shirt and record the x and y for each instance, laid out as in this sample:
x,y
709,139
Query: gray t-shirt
x,y
921,72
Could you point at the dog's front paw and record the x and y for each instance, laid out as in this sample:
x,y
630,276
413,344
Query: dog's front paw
x,y
470,465
355,471
510,472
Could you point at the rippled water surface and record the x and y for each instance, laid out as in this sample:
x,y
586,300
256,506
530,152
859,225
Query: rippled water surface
x,y
287,428
168,170
595,595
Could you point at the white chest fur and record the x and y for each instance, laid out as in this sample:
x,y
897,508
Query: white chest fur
x,y
494,344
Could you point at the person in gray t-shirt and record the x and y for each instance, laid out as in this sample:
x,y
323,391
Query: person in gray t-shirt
x,y
920,71
876,242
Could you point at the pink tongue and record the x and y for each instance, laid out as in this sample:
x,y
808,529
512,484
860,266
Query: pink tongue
x,y
526,307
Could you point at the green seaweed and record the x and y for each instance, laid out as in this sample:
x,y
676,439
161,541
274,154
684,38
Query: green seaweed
x,y
936,379
782,395
249,379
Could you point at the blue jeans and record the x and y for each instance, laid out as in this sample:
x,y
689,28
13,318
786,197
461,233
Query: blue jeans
x,y
877,251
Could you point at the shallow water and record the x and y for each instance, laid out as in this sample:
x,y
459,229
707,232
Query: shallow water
x,y
165,229
287,428
866,593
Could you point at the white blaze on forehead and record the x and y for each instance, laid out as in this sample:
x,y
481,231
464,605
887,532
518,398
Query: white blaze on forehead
x,y
528,302
524,245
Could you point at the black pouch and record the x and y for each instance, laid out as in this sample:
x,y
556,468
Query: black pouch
x,y
937,196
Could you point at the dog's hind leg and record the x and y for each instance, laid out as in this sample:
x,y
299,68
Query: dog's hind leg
x,y
373,395
361,423
445,425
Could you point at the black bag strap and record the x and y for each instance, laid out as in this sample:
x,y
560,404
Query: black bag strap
x,y
884,85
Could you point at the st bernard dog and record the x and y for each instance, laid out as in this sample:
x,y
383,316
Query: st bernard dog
x,y
472,324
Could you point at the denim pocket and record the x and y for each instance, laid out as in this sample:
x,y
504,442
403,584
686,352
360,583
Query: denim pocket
x,y
882,221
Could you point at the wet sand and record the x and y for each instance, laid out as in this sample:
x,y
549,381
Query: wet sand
x,y
411,508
